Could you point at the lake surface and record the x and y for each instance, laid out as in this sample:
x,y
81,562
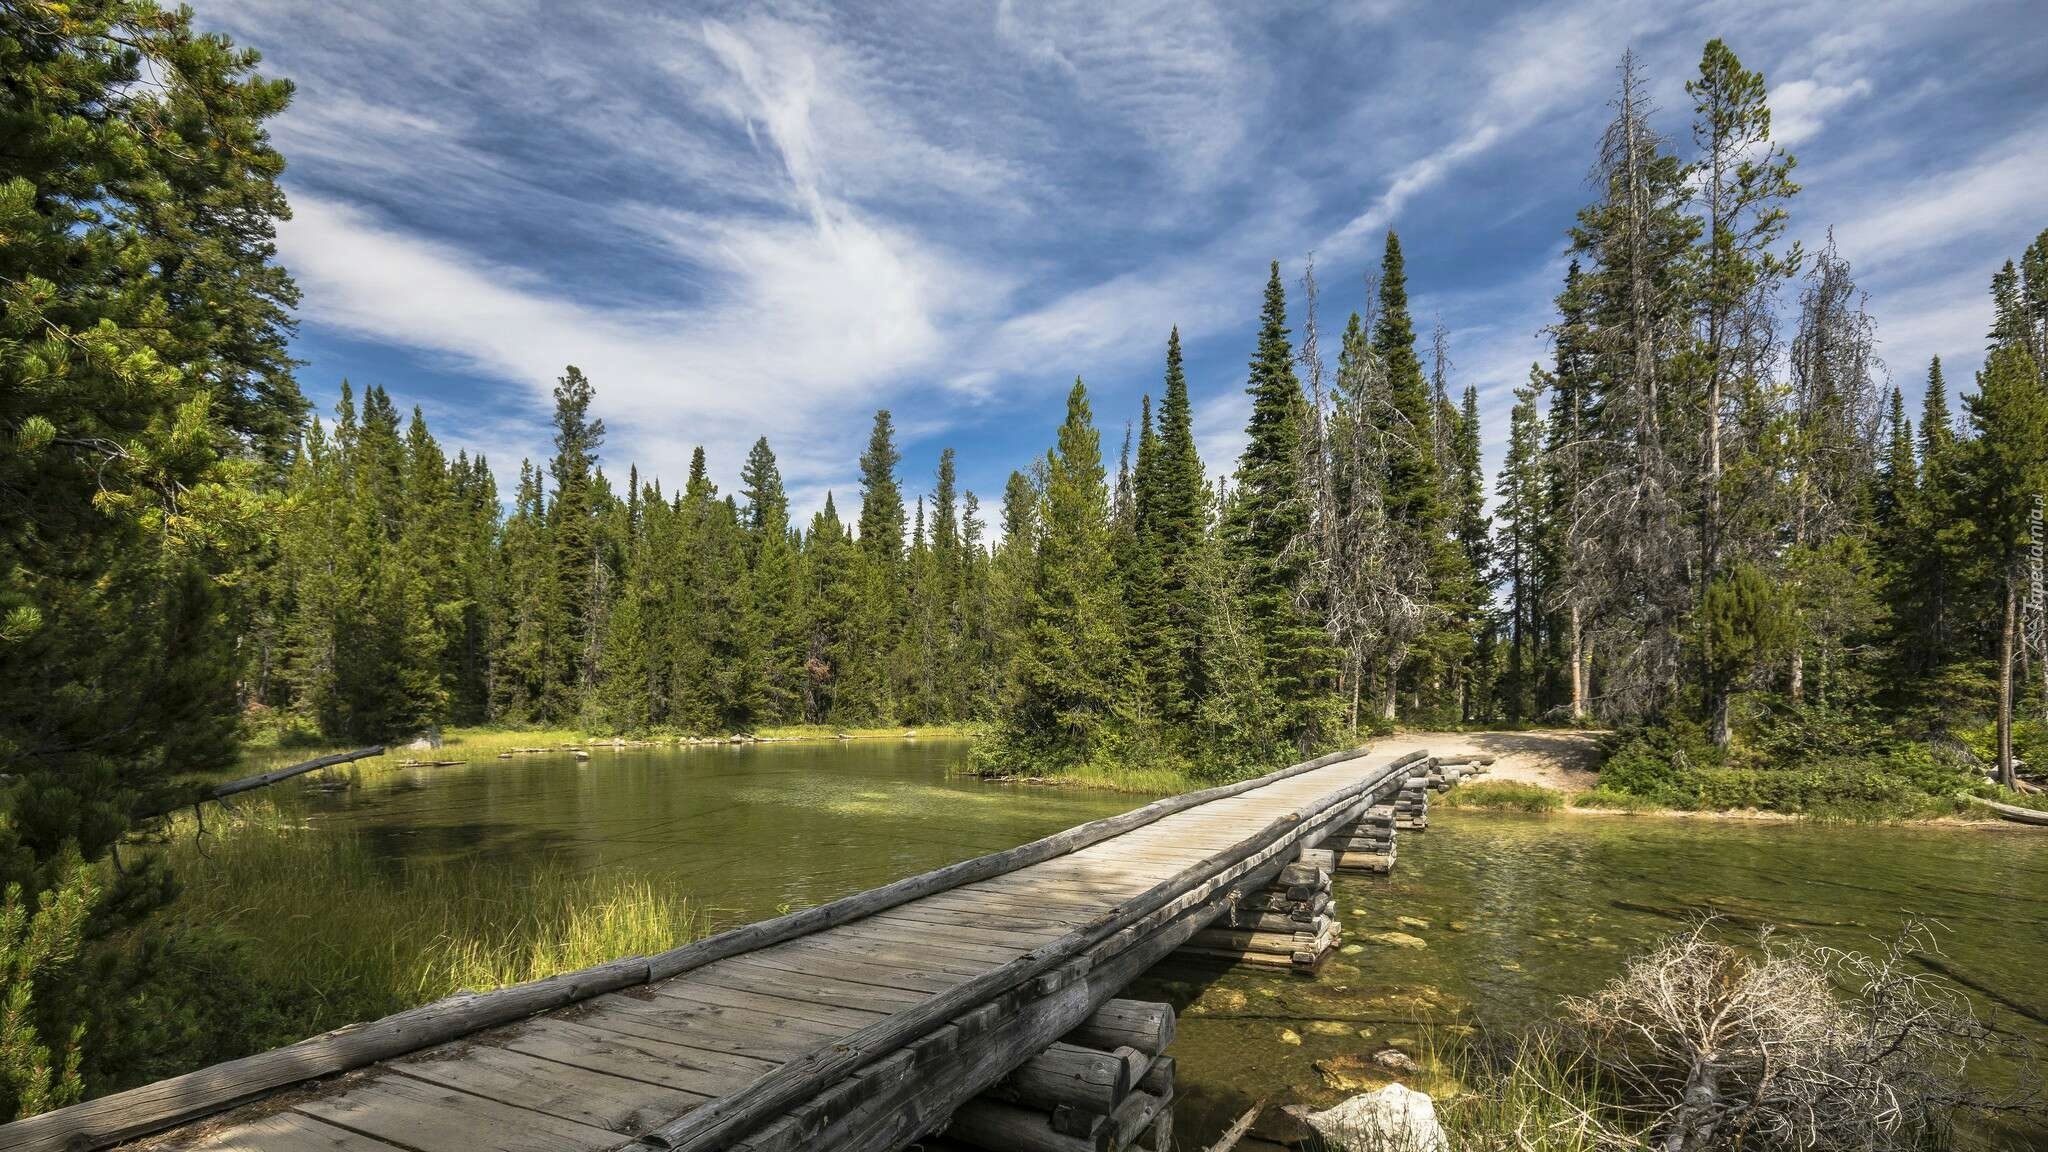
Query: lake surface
x,y
1516,911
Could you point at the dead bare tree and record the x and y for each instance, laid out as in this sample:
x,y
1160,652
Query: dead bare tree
x,y
1784,1044
1630,520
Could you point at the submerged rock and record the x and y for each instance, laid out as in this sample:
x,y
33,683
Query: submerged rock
x,y
1385,1118
1411,922
1398,940
1352,949
1221,1000
1329,1028
1349,1073
1395,1059
1290,1036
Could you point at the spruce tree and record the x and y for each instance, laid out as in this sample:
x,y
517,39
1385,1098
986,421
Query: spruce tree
x,y
1519,524
832,590
1268,526
1176,524
1936,541
1068,679
1427,564
881,498
573,612
1148,613
1412,487
2005,471
776,625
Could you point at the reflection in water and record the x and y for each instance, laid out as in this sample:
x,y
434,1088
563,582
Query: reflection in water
x,y
1513,912
742,830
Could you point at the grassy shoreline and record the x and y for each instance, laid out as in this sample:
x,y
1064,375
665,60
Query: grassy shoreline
x,y
476,744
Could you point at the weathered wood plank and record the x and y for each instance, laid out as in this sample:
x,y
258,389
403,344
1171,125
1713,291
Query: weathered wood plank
x,y
431,1118
289,1132
702,1071
563,1090
741,973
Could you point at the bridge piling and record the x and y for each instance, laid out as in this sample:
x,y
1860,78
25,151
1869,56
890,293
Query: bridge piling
x,y
1063,1100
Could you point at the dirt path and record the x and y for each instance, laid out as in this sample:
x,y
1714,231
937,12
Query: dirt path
x,y
1564,760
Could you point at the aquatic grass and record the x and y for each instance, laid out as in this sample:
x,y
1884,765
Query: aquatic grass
x,y
1532,1095
1503,795
336,935
1152,780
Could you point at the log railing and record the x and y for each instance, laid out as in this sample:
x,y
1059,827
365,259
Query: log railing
x,y
121,1116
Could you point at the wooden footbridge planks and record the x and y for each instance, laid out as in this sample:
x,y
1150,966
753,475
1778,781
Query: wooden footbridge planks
x,y
632,1067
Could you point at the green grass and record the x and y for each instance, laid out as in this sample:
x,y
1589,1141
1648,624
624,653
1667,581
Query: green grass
x,y
1531,1097
1615,801
1503,795
336,935
268,749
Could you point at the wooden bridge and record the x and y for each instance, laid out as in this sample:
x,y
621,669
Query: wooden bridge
x,y
861,1024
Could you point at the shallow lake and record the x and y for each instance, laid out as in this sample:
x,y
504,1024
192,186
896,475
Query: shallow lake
x,y
1512,912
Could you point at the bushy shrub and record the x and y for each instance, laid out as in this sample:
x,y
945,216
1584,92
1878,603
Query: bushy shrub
x,y
1799,760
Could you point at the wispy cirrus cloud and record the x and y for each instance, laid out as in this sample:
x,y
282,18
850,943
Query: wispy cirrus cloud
x,y
773,218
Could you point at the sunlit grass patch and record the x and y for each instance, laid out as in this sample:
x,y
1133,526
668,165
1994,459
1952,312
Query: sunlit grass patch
x,y
1507,795
342,936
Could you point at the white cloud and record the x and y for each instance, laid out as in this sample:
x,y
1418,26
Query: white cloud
x,y
1799,109
1169,71
807,327
1220,429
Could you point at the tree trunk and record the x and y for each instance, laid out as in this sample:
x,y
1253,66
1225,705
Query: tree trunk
x,y
1721,732
1797,688
1393,688
1578,667
2006,775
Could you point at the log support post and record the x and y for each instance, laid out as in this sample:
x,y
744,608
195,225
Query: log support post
x,y
1287,925
1106,1087
1411,804
1366,844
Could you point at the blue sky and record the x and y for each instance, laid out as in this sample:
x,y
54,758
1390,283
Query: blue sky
x,y
773,219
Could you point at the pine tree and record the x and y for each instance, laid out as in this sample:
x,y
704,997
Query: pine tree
x,y
573,613
1068,679
1176,522
1633,514
1521,492
1743,179
2005,470
881,499
147,403
772,562
1268,528
1562,560
1934,540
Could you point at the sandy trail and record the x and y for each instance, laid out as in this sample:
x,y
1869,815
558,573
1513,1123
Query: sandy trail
x,y
1565,760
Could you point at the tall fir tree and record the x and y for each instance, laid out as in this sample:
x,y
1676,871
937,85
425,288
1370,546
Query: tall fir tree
x,y
1268,525
1069,680
574,608
2004,472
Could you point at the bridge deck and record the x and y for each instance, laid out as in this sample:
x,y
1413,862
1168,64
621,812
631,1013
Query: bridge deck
x,y
597,1074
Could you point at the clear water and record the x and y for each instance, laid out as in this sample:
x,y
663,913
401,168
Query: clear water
x,y
743,830
1515,911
